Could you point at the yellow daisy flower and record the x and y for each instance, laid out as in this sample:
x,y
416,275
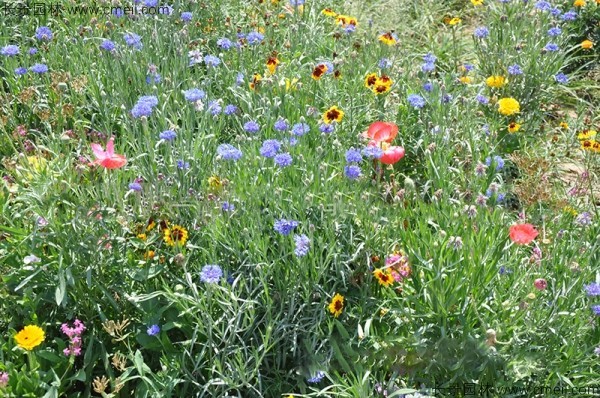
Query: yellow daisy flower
x,y
30,337
337,305
333,114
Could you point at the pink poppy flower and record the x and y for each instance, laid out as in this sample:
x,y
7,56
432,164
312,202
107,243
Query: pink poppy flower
x,y
522,234
391,154
382,131
108,159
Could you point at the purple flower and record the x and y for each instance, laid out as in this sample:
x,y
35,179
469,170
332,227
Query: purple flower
x,y
384,63
183,165
3,379
211,274
593,289
194,94
482,99
135,186
153,330
416,101
43,33
211,60
570,15
428,67
285,227
497,160
299,129
555,31
133,40
144,106
168,135
352,171
251,126
543,6
230,109
372,152
107,45
302,245
326,128
186,16
20,71
552,47
254,38
316,378
39,68
283,159
10,51
224,43
561,78
32,51
584,218
281,125
270,148
428,87
481,32
429,58
515,70
229,152
353,156
214,107
596,309
227,206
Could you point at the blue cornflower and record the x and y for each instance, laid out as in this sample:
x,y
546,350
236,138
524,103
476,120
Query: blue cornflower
x,y
330,67
142,108
428,67
239,78
285,227
292,141
296,3
224,43
44,33
555,31
211,60
270,148
252,126
500,197
135,186
503,271
281,125
326,128
117,12
352,171
10,51
481,32
384,63
318,377
214,107
561,78
211,274
515,70
593,289
32,51
353,156
283,159
254,38
108,45
551,47
153,78
596,309
194,94
229,152
230,109
416,101
20,71
446,98
133,40
168,135
227,206
372,152
349,29
468,67
482,99
429,58
299,129
497,160
153,330
151,100
543,5
302,245
150,3
428,87
39,68
186,16
182,165
570,15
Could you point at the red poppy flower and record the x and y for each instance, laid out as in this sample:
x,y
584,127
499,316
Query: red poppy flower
x,y
382,131
392,154
108,159
522,234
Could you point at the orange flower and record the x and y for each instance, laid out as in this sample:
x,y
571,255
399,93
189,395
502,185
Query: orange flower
x,y
587,44
522,234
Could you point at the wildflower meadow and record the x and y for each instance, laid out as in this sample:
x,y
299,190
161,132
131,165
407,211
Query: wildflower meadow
x,y
300,198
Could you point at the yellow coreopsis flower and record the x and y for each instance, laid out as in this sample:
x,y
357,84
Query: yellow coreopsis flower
x,y
587,44
333,114
337,305
176,235
272,64
508,106
328,12
477,2
384,277
514,127
579,3
388,38
454,21
465,79
30,337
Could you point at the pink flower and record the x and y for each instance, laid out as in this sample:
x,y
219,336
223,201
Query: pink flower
x,y
522,234
382,131
108,159
540,284
3,379
392,155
